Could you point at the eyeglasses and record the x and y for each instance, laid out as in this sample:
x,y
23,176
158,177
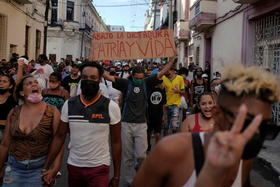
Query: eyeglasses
x,y
268,129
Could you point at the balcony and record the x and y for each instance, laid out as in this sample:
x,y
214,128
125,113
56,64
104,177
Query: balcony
x,y
203,15
181,30
23,1
245,1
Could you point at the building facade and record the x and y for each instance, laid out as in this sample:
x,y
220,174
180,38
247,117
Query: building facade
x,y
152,16
236,31
180,26
21,28
116,28
71,27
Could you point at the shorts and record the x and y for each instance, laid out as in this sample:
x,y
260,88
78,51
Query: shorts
x,y
26,173
155,125
172,117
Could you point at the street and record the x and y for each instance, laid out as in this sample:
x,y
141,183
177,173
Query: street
x,y
261,176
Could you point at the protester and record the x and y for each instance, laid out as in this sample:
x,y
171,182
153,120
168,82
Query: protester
x,y
43,71
175,89
198,86
125,72
7,101
134,119
202,120
156,102
28,134
55,95
177,160
90,118
71,82
185,99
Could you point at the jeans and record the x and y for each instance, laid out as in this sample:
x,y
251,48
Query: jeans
x,y
134,147
172,115
26,173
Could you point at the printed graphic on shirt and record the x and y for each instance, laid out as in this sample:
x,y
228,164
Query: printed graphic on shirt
x,y
136,90
156,98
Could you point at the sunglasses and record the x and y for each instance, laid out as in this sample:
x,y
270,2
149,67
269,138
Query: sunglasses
x,y
268,128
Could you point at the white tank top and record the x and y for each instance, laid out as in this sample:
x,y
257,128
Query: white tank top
x,y
192,180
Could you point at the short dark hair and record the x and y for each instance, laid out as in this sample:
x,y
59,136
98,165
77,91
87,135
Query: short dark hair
x,y
183,70
138,69
57,75
43,57
11,80
95,65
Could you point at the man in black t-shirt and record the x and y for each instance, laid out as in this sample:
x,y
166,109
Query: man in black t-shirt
x,y
71,82
135,91
157,99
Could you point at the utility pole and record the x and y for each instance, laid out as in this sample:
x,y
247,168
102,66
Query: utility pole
x,y
170,14
155,13
46,26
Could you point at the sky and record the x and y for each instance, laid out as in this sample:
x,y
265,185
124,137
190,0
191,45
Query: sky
x,y
131,17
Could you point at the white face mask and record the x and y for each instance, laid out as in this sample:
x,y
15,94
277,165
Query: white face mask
x,y
217,88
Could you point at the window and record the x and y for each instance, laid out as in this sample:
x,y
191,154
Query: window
x,y
38,43
197,9
70,11
54,12
27,30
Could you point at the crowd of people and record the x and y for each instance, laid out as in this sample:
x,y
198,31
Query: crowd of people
x,y
120,112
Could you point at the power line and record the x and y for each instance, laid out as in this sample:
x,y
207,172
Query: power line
x,y
112,6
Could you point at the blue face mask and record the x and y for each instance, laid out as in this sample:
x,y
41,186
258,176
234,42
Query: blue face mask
x,y
137,81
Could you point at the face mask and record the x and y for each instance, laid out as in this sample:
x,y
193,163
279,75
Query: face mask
x,y
217,88
3,91
34,98
137,81
89,88
112,73
253,147
53,85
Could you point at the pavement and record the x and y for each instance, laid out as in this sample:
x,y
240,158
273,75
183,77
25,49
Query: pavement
x,y
269,158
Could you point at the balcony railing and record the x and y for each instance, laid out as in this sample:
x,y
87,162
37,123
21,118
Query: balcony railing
x,y
182,30
23,1
245,1
203,14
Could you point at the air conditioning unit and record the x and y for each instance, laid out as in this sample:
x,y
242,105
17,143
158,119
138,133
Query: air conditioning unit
x,y
245,1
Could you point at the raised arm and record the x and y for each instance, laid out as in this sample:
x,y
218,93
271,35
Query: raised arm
x,y
167,67
109,77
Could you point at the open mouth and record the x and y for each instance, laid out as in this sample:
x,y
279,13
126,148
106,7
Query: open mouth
x,y
35,91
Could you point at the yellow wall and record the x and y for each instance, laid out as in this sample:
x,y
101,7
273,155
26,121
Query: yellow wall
x,y
16,24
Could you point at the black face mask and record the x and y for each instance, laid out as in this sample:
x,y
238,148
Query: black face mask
x,y
3,91
89,88
112,73
253,147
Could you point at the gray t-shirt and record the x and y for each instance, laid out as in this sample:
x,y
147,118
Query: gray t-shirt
x,y
135,103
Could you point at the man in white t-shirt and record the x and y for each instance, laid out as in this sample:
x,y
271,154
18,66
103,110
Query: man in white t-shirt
x,y
92,120
43,71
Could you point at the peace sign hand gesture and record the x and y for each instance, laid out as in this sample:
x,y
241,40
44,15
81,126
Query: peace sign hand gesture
x,y
225,148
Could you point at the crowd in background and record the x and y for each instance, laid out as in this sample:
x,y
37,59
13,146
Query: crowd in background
x,y
41,101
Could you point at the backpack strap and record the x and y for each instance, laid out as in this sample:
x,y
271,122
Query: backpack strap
x,y
128,91
198,152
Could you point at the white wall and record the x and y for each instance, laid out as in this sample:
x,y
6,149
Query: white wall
x,y
227,42
224,6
